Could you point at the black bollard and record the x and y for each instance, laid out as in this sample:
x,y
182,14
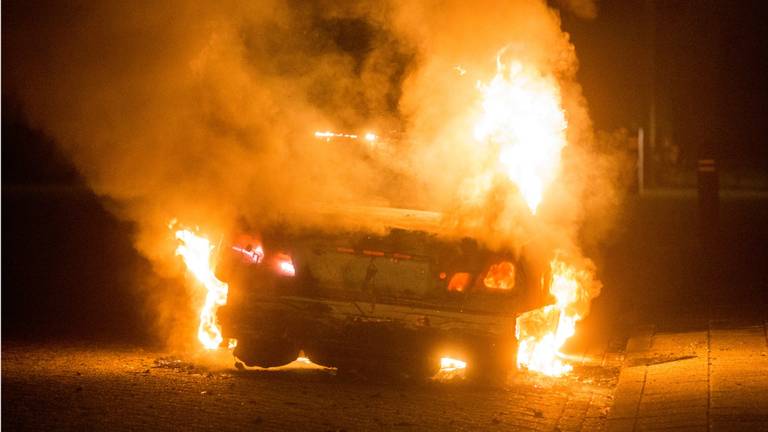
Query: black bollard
x,y
709,227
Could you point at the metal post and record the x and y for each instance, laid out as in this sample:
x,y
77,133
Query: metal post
x,y
640,160
709,199
709,215
650,11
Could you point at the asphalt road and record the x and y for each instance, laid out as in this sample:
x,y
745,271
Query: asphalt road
x,y
78,387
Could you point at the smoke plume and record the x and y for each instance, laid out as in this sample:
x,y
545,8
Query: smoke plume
x,y
203,112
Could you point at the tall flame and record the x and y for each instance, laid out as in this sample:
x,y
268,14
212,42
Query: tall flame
x,y
523,122
543,332
196,252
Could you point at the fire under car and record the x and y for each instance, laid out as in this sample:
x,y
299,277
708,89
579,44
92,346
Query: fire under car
x,y
391,304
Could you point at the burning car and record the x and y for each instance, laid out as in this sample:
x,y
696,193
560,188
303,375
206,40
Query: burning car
x,y
406,299
397,303
406,296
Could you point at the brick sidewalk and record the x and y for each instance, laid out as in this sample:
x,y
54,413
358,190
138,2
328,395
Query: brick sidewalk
x,y
713,379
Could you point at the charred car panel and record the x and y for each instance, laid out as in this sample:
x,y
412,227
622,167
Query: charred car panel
x,y
390,304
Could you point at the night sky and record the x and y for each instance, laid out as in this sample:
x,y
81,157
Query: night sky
x,y
709,58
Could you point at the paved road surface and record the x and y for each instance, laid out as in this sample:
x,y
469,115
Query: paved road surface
x,y
713,378
48,387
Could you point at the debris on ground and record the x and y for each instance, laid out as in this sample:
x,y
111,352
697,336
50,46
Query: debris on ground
x,y
178,365
659,359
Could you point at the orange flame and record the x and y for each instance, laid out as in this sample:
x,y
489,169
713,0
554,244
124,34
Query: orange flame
x,y
285,265
500,276
449,364
451,369
250,254
543,332
523,121
459,281
196,252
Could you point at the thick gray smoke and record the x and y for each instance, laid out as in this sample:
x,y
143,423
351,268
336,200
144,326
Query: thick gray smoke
x,y
201,111
204,111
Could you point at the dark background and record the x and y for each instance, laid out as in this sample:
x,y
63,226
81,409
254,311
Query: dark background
x,y
69,270
68,266
702,63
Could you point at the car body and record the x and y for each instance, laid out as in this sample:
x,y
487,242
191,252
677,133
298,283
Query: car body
x,y
392,303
